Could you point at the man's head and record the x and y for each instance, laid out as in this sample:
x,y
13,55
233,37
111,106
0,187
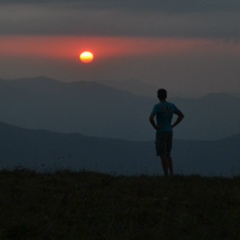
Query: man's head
x,y
162,94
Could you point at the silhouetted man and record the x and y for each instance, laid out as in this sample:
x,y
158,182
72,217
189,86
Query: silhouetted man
x,y
163,113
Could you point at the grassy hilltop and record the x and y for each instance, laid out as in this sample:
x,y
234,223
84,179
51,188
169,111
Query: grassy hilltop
x,y
85,205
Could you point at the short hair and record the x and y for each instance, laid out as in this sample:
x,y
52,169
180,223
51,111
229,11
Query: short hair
x,y
162,93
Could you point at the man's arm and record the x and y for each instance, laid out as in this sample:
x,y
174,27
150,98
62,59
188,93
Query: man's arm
x,y
179,119
152,121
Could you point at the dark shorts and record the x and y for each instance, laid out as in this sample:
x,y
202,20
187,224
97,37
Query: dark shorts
x,y
163,144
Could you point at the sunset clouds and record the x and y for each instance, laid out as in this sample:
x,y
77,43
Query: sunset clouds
x,y
174,18
140,39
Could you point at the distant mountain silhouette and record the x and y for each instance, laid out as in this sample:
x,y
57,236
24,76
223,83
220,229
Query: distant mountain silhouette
x,y
43,150
137,87
211,117
95,109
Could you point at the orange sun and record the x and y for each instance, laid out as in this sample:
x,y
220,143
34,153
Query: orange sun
x,y
86,57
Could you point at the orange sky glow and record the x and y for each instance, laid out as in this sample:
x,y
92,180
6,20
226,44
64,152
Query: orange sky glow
x,y
102,47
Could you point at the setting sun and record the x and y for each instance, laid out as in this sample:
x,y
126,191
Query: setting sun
x,y
86,57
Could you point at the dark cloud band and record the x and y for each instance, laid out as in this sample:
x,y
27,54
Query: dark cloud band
x,y
171,18
169,6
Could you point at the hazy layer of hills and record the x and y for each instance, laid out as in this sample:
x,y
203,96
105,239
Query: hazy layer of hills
x,y
95,109
149,90
139,87
42,150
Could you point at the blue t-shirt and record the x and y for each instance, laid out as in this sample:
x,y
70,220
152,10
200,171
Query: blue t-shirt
x,y
164,113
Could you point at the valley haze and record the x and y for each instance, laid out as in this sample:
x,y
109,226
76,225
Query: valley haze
x,y
45,151
47,124
95,109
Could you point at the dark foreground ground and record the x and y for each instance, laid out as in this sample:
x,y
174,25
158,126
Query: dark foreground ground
x,y
85,206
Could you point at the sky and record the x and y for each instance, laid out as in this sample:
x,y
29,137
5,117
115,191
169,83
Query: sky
x,y
186,46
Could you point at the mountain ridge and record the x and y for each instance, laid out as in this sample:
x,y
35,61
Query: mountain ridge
x,y
42,150
94,109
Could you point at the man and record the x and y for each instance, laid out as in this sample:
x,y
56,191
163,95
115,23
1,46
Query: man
x,y
163,112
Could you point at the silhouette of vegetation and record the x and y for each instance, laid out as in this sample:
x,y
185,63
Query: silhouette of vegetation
x,y
87,205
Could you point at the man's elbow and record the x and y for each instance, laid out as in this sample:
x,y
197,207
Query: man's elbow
x,y
182,116
151,118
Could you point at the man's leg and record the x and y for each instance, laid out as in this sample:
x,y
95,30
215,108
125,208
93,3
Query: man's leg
x,y
167,165
163,145
170,165
164,160
168,153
